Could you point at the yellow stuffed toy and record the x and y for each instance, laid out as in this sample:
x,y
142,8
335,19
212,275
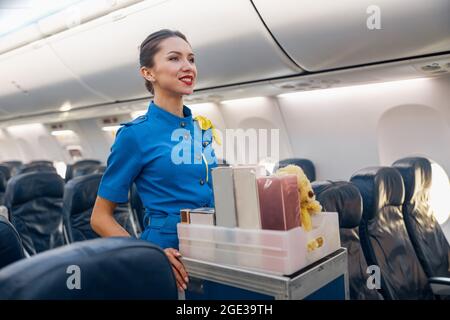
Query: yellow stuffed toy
x,y
308,203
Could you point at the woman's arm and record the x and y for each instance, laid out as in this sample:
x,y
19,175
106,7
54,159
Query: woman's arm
x,y
103,222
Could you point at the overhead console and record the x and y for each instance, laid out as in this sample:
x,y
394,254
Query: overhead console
x,y
329,34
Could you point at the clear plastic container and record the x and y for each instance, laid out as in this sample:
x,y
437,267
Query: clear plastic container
x,y
279,252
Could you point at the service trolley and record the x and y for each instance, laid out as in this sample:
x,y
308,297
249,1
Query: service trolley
x,y
326,278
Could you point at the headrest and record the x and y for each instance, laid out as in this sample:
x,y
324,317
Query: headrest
x,y
11,248
28,186
36,168
306,165
416,174
81,167
80,193
42,163
341,197
82,171
105,268
86,162
6,170
379,187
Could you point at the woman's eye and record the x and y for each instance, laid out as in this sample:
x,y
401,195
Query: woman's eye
x,y
173,58
192,60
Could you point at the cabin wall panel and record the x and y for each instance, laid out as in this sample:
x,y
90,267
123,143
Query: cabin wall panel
x,y
338,128
256,113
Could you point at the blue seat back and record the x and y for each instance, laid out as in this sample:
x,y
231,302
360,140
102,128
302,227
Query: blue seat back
x,y
13,165
80,194
306,165
106,268
345,199
36,167
6,171
137,207
384,238
425,233
82,167
3,182
34,201
11,248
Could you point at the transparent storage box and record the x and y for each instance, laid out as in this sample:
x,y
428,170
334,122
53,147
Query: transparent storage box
x,y
279,252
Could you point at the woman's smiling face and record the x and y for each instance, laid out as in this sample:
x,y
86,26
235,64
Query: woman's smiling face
x,y
174,68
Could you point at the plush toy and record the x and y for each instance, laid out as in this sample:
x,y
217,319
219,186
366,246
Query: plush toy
x,y
308,203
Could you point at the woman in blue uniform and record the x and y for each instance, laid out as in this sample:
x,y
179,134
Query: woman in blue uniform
x,y
166,152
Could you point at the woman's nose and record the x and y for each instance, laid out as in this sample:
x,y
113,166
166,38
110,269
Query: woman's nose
x,y
187,65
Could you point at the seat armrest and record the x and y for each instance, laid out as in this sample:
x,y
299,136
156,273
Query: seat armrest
x,y
440,286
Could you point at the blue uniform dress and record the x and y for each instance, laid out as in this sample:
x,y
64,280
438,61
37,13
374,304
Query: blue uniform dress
x,y
170,159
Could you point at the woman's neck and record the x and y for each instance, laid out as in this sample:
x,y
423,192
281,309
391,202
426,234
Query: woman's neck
x,y
172,104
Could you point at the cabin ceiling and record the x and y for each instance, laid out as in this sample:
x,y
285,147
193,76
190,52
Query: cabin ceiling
x,y
93,67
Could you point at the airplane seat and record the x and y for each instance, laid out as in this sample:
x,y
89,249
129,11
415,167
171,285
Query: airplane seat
x,y
36,167
306,165
425,233
384,239
11,248
106,269
2,188
6,171
137,207
34,202
14,165
81,168
345,199
80,194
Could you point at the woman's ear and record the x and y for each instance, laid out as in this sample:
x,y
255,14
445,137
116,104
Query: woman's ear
x,y
147,74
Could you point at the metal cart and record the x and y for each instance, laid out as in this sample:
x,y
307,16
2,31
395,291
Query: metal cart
x,y
324,279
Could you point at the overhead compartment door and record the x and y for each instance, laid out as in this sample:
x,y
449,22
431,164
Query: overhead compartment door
x,y
328,34
230,42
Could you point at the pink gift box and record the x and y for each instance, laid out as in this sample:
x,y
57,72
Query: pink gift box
x,y
279,202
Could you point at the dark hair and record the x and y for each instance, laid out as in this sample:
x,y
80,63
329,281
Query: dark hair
x,y
150,46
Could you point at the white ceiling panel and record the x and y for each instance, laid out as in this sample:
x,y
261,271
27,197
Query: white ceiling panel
x,y
327,34
228,38
34,79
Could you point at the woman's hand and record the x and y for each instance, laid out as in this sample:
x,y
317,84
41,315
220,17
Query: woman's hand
x,y
178,268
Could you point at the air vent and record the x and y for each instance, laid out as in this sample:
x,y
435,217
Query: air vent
x,y
431,67
434,68
57,126
110,120
308,84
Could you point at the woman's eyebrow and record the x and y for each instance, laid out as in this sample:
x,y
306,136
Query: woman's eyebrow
x,y
177,52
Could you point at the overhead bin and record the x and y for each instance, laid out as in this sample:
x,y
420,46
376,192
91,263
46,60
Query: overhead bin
x,y
328,34
97,62
34,80
228,38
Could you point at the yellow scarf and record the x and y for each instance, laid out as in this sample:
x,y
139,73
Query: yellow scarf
x,y
205,124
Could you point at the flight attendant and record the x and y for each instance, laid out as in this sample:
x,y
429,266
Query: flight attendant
x,y
166,152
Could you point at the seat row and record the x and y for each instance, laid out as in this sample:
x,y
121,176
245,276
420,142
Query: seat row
x,y
47,213
396,248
